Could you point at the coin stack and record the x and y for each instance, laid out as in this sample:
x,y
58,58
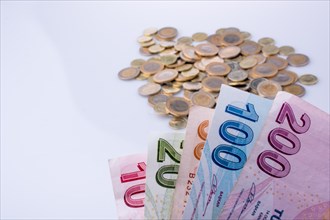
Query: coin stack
x,y
200,64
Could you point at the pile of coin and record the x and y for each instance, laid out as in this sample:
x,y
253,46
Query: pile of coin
x,y
197,66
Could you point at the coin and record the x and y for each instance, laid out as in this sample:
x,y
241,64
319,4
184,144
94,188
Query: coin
x,y
261,58
245,35
166,75
229,52
178,122
308,79
237,76
128,73
206,50
191,86
160,108
147,44
199,77
177,84
199,36
215,39
151,67
168,59
185,40
144,39
167,33
193,72
264,70
144,51
248,62
297,60
202,98
137,63
278,61
189,52
268,89
207,60
187,94
286,50
231,39
269,50
284,77
254,84
157,98
266,41
149,89
170,89
295,89
213,83
199,65
217,69
177,106
250,48
184,67
156,48
167,44
150,31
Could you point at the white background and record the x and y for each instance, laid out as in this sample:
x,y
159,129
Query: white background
x,y
64,112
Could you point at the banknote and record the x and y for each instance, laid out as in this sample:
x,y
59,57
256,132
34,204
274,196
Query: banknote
x,y
128,176
287,175
236,124
196,133
164,155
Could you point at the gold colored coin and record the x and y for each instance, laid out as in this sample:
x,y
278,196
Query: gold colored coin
x,y
254,84
264,70
193,72
308,79
147,44
261,58
170,89
199,36
168,59
199,65
286,50
284,77
297,60
182,78
177,106
250,48
160,108
266,41
178,123
168,51
278,61
295,89
178,63
245,35
128,73
144,39
237,76
217,69
144,51
151,67
177,84
184,67
229,52
213,83
185,40
269,50
231,38
137,63
166,75
191,86
207,60
202,98
142,76
150,31
268,89
206,50
157,98
215,39
189,52
149,89
156,48
248,62
167,33
199,77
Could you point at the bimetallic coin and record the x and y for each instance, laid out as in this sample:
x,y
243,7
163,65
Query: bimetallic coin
x,y
189,52
199,65
308,79
167,44
284,77
245,35
144,39
269,50
266,41
199,36
205,61
150,31
237,76
193,72
160,108
286,50
215,39
166,75
184,67
278,61
149,89
231,38
264,70
177,106
261,58
137,63
199,77
178,122
297,60
154,99
167,33
185,40
144,51
192,86
202,98
213,83
147,44
156,48
128,73
268,89
229,52
178,63
250,48
254,84
206,50
168,59
217,69
248,62
170,89
295,89
177,84
151,67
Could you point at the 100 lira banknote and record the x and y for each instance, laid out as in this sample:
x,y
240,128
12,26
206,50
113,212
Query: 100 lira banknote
x,y
196,134
164,156
128,175
287,175
238,119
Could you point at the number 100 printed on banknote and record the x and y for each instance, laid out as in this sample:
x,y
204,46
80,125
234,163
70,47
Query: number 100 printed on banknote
x,y
236,124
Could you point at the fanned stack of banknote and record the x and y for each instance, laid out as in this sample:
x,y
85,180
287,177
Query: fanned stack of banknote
x,y
250,158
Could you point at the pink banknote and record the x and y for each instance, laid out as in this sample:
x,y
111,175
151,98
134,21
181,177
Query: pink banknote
x,y
128,176
287,175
